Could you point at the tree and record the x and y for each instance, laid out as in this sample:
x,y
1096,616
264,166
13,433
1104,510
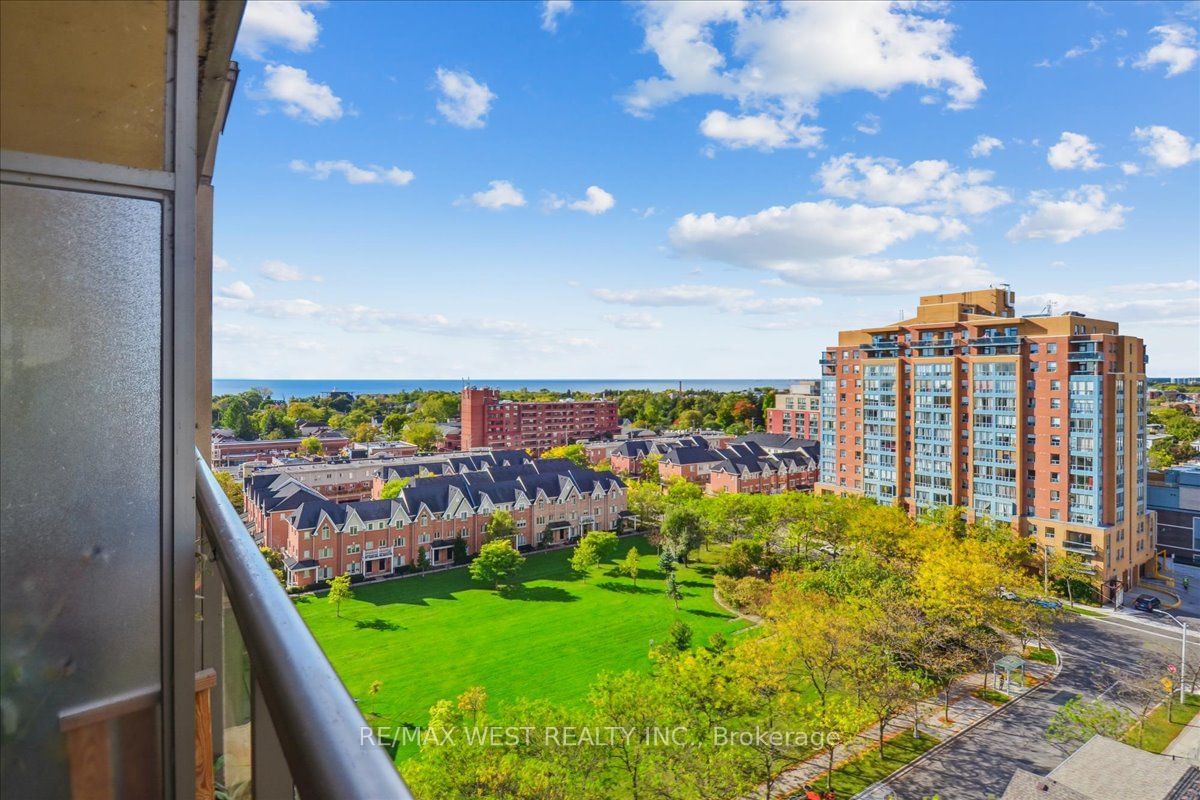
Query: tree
x,y
391,490
742,558
236,417
365,432
460,550
585,558
604,542
646,502
839,720
311,445
232,488
393,424
886,691
630,566
339,590
673,589
666,562
373,693
421,433
680,635
1079,720
689,420
649,468
422,562
1072,570
500,526
683,531
680,490
498,563
571,452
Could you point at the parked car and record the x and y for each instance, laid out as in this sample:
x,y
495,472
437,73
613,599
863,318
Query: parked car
x,y
1008,594
1046,602
1146,602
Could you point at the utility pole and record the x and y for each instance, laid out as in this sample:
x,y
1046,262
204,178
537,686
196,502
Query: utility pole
x,y
1046,569
1182,648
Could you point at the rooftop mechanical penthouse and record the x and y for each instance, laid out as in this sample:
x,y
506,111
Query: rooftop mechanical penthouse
x,y
1039,420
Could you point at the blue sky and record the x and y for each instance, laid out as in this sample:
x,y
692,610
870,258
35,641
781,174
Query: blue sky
x,y
568,190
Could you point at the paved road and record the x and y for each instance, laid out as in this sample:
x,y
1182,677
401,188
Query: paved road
x,y
981,761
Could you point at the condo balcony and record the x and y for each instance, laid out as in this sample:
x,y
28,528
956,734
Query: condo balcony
x,y
997,341
1085,355
1079,546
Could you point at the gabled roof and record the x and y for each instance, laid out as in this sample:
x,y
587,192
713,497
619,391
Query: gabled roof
x,y
690,455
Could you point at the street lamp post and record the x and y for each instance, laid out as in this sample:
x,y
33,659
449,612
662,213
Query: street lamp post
x,y
1182,648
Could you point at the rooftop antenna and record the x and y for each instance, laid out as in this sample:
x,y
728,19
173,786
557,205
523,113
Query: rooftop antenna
x,y
1049,308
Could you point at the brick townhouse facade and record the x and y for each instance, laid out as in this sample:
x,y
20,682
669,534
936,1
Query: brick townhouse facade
x,y
488,421
551,501
228,450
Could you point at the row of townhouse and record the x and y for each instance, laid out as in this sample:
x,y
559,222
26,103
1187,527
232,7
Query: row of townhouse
x,y
345,481
552,501
752,464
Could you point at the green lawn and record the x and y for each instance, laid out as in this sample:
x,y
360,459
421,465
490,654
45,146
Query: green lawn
x,y
1161,731
854,776
429,638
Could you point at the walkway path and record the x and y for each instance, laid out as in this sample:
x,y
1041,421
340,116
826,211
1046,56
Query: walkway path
x,y
966,710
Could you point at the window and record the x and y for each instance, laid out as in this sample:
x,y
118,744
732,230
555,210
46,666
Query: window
x,y
1052,348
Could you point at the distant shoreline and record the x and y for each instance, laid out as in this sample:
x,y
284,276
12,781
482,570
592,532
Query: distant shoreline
x,y
307,388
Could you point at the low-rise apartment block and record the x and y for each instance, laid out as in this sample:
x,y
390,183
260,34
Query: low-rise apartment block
x,y
488,421
228,450
797,411
1038,421
1175,501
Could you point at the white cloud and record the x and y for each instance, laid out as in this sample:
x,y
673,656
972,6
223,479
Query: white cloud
x,y
869,125
282,272
1156,288
645,213
984,145
679,295
1094,44
782,59
633,322
928,185
221,265
1168,148
373,173
282,22
732,299
238,290
762,131
1129,168
551,11
1176,48
828,244
1112,303
299,96
1073,151
1077,212
465,102
597,201
500,194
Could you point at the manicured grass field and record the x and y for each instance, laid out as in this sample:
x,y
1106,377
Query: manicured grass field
x,y
430,638
1161,731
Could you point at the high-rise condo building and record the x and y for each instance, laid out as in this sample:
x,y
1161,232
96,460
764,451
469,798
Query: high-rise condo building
x,y
1037,420
797,411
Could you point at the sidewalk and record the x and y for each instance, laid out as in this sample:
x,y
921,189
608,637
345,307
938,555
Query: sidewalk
x,y
965,711
1187,744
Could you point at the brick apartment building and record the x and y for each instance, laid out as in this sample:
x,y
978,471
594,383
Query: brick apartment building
x,y
797,412
551,501
1037,420
488,421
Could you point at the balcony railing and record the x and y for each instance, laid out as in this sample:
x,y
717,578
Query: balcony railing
x,y
999,341
308,721
1085,355
1083,548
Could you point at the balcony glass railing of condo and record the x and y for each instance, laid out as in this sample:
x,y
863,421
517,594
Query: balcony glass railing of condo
x,y
282,717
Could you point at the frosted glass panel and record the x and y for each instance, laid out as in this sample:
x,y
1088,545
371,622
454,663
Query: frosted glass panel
x,y
80,434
